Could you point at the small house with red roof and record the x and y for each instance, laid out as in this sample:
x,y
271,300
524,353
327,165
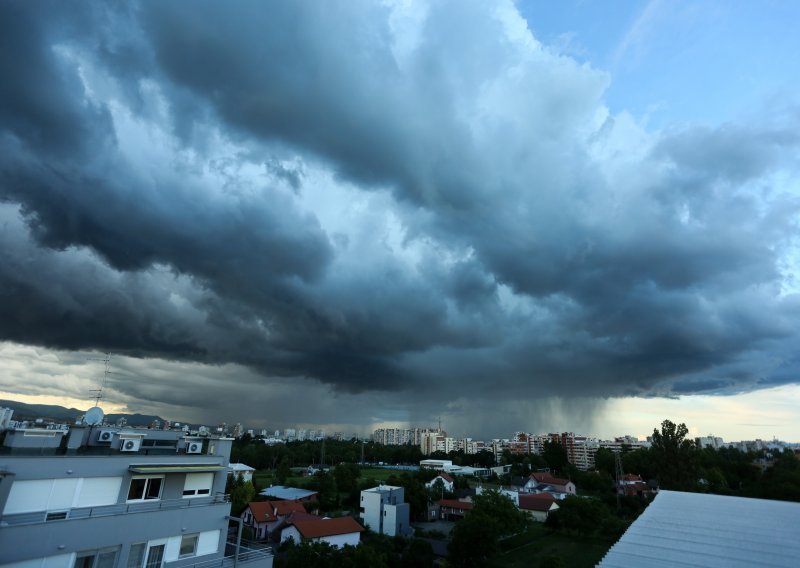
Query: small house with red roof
x,y
337,532
540,482
263,517
453,509
538,505
444,479
632,484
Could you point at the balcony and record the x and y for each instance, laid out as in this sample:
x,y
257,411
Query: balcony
x,y
111,510
248,558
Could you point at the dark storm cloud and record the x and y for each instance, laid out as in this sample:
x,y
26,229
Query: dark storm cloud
x,y
333,192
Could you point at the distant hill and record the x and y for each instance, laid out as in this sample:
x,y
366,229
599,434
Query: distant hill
x,y
24,411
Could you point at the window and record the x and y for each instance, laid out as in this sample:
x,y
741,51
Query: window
x,y
136,555
144,488
56,516
103,558
198,484
188,546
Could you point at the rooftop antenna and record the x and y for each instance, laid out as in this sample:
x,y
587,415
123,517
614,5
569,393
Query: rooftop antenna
x,y
95,415
619,475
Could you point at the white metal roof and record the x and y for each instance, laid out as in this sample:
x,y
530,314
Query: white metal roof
x,y
710,531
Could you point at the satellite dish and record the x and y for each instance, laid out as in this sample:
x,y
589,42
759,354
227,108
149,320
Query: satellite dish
x,y
94,416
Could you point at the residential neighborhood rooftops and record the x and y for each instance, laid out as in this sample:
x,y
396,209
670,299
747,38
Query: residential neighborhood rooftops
x,y
316,528
710,531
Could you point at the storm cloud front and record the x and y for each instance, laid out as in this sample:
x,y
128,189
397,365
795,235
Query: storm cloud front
x,y
400,207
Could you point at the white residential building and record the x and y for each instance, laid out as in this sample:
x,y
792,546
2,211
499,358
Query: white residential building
x,y
384,510
241,470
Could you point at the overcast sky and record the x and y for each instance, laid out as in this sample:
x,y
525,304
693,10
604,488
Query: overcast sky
x,y
514,216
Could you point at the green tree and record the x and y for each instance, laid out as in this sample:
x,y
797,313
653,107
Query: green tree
x,y
674,457
283,472
241,493
475,539
582,515
555,455
419,554
604,461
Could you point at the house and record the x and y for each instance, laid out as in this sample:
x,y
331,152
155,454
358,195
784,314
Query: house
x,y
452,509
264,517
278,531
338,532
244,472
632,484
384,510
289,493
546,483
95,495
538,505
442,479
512,494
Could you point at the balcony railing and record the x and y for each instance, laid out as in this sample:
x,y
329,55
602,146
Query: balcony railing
x,y
111,510
252,558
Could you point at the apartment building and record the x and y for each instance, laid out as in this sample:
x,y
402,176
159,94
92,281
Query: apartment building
x,y
106,497
384,510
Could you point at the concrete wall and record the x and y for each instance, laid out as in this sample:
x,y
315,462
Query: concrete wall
x,y
340,540
23,542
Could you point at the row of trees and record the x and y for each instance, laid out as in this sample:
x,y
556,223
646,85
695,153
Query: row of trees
x,y
375,551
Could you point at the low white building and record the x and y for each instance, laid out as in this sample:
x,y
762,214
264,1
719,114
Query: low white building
x,y
384,510
441,465
444,480
245,472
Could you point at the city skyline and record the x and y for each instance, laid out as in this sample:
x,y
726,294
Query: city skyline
x,y
574,217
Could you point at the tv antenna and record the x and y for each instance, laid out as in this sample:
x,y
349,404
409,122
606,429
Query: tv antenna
x,y
95,415
106,372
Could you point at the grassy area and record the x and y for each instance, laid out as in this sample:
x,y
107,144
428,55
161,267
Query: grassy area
x,y
266,477
531,548
378,473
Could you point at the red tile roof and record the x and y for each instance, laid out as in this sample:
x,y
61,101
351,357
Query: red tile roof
x,y
536,501
267,511
446,477
262,511
549,479
298,516
281,508
455,504
327,527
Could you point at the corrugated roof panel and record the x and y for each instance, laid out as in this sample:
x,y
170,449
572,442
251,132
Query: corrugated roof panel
x,y
710,531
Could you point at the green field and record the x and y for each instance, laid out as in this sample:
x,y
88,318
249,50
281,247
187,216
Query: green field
x,y
378,473
531,548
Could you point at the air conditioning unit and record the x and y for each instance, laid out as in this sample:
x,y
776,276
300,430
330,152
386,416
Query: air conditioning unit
x,y
105,436
130,444
194,447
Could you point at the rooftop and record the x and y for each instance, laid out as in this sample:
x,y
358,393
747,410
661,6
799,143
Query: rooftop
x,y
710,531
327,527
287,493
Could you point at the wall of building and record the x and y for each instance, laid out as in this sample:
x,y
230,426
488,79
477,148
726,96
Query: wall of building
x,y
22,542
340,540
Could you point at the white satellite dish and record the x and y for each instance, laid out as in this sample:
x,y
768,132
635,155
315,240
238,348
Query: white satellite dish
x,y
94,416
